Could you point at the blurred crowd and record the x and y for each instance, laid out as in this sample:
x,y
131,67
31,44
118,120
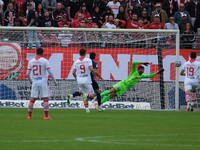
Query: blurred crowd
x,y
114,14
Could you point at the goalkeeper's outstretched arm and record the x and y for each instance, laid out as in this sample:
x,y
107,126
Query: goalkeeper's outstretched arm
x,y
153,74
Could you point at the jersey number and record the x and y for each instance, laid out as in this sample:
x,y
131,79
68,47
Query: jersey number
x,y
190,71
82,67
37,69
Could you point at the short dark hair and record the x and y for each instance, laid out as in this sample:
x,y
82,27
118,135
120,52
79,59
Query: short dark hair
x,y
39,51
140,67
193,55
92,55
82,52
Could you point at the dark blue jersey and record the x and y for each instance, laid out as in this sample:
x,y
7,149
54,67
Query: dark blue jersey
x,y
95,67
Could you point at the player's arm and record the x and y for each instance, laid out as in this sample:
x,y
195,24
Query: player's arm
x,y
52,76
98,75
153,74
92,71
74,74
28,74
182,72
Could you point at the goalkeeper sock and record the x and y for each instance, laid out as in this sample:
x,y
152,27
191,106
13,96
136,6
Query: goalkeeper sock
x,y
105,93
77,93
46,108
105,99
99,99
30,107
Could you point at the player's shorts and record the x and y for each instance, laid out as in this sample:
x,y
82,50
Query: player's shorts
x,y
191,86
40,91
95,85
120,88
87,88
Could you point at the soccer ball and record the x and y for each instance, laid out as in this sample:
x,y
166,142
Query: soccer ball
x,y
177,63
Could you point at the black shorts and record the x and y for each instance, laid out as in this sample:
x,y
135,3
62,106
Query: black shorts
x,y
95,85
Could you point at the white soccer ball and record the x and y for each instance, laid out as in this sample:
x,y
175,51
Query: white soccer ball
x,y
177,63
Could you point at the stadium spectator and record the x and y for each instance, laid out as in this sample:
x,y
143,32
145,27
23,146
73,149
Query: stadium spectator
x,y
96,16
171,25
76,23
114,6
170,6
57,13
141,24
39,14
156,24
64,21
178,14
22,19
147,4
1,12
101,4
145,17
90,24
187,37
110,23
119,23
9,15
17,22
73,8
26,6
31,22
20,4
107,12
197,25
193,8
82,24
132,23
47,21
121,14
15,6
49,4
84,12
184,21
136,6
162,14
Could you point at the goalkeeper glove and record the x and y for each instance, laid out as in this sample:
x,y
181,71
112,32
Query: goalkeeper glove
x,y
160,71
145,63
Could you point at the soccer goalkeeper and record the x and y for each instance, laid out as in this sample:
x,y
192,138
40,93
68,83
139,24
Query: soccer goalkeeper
x,y
122,86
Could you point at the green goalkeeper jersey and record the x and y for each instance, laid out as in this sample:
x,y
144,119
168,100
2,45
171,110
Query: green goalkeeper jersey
x,y
134,76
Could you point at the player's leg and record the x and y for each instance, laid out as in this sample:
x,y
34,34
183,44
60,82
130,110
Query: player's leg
x,y
69,96
193,96
34,96
105,93
44,93
97,90
187,95
113,94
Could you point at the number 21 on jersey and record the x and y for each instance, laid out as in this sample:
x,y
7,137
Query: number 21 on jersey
x,y
190,71
37,69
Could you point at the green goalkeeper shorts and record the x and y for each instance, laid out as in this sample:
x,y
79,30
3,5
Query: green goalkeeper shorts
x,y
120,88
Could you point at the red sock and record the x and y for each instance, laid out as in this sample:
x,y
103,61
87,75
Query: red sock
x,y
86,105
46,108
30,107
187,97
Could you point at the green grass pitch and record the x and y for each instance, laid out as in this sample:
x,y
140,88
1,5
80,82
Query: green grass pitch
x,y
108,130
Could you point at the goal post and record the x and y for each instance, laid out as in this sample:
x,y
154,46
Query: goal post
x,y
116,49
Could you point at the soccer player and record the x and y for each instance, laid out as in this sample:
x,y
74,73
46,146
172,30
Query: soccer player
x,y
191,70
94,83
39,66
81,72
122,86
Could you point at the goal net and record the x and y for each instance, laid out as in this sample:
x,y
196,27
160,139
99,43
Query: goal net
x,y
115,51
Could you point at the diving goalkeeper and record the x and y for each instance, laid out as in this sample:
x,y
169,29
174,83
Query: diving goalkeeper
x,y
122,86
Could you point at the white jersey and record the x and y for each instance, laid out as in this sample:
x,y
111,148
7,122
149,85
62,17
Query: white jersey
x,y
192,70
82,70
114,7
39,66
